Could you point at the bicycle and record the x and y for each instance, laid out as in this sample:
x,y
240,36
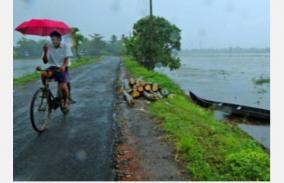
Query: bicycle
x,y
47,103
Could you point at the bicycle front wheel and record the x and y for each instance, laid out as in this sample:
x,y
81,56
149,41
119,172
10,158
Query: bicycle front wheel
x,y
40,110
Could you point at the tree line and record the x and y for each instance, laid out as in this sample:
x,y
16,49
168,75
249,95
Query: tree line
x,y
82,46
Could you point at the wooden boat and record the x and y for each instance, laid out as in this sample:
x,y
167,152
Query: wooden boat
x,y
232,109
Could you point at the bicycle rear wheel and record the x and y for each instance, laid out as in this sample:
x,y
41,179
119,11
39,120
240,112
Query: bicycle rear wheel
x,y
40,110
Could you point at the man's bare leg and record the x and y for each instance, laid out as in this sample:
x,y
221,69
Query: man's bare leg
x,y
44,76
65,93
70,97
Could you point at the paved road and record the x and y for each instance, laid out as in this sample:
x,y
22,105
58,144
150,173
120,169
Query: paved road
x,y
78,147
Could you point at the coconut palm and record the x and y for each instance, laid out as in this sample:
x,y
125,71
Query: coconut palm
x,y
77,39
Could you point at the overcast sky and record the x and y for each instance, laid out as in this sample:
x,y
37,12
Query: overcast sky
x,y
204,23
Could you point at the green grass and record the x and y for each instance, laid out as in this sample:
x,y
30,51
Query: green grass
x,y
75,64
84,61
261,80
27,78
210,149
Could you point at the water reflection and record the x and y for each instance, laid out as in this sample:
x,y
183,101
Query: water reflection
x,y
260,133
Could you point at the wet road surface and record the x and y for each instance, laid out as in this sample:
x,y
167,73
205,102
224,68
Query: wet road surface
x,y
78,147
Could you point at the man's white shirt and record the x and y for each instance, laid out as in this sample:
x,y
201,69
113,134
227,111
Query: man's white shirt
x,y
56,56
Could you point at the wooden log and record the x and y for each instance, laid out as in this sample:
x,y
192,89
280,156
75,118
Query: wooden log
x,y
126,85
135,87
164,92
140,89
155,87
135,94
132,81
148,87
128,98
140,82
149,96
158,95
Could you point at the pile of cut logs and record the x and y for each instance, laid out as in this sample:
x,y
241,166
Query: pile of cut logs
x,y
136,88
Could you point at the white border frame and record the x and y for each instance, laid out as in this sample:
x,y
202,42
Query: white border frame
x,y
6,92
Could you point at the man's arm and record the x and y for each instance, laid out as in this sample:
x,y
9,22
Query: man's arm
x,y
45,57
67,54
65,64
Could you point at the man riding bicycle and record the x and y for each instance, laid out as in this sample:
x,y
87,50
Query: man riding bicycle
x,y
57,55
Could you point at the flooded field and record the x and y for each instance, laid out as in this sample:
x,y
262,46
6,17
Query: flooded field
x,y
23,67
228,78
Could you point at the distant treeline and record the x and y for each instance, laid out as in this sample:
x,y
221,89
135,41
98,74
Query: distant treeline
x,y
97,45
93,46
229,50
28,48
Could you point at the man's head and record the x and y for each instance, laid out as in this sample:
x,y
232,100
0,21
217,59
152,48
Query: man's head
x,y
55,38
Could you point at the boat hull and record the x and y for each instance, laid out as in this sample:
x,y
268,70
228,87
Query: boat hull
x,y
232,109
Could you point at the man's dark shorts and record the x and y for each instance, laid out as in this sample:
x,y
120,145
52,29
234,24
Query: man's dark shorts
x,y
60,77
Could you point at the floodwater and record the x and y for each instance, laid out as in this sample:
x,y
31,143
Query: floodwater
x,y
228,77
25,66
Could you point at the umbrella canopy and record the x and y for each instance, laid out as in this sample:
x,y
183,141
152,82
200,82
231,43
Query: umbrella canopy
x,y
43,27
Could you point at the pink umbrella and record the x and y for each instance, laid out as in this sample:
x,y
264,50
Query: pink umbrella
x,y
43,27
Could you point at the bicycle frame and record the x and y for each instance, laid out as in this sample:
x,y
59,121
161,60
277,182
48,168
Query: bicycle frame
x,y
54,100
48,103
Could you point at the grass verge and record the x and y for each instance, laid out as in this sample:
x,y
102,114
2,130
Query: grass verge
x,y
210,149
75,64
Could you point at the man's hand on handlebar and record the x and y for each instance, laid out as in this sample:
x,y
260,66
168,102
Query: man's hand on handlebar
x,y
62,68
38,68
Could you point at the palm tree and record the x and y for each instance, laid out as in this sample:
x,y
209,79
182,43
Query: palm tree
x,y
77,39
